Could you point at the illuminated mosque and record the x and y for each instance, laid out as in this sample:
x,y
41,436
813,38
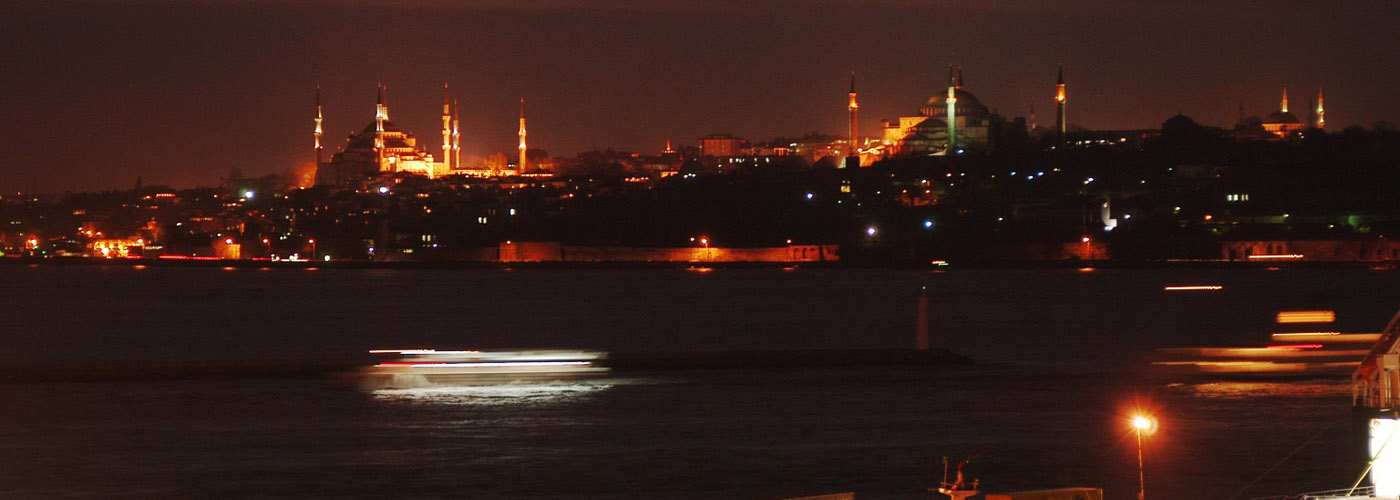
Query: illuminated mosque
x,y
1284,124
952,122
382,148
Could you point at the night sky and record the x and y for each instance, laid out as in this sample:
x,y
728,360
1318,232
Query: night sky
x,y
181,93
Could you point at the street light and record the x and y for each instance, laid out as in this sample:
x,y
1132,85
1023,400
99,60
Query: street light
x,y
312,241
1142,424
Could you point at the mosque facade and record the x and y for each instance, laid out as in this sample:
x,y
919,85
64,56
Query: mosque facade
x,y
951,122
382,148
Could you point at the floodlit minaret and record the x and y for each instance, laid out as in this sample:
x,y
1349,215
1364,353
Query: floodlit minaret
x,y
1032,117
456,138
381,115
1320,120
318,126
668,149
952,113
446,128
1283,106
521,168
1060,97
853,106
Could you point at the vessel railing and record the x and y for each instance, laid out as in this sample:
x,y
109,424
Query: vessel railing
x,y
1362,491
1359,492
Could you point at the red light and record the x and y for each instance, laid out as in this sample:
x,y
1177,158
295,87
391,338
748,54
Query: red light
x,y
1209,217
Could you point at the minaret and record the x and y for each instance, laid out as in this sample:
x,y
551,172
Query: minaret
x,y
1283,106
1060,98
456,138
952,113
1320,120
853,106
520,169
669,150
318,126
1032,116
381,115
446,129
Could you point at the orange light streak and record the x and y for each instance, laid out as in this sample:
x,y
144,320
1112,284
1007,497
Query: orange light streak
x,y
1192,288
1295,346
1289,256
1333,337
1306,316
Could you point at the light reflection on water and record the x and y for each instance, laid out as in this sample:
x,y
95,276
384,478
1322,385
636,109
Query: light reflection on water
x,y
517,393
1256,389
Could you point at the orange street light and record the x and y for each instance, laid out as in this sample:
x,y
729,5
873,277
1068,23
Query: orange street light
x,y
1142,424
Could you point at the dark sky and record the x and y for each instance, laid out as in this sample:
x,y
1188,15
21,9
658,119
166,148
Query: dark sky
x,y
181,93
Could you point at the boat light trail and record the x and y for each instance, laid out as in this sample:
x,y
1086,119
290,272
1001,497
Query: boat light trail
x,y
1333,337
1295,346
1306,316
1287,256
1192,288
480,364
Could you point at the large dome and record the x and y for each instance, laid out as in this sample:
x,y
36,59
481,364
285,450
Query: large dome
x,y
388,127
1281,117
967,105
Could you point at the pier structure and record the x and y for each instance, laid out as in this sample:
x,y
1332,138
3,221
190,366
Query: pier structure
x,y
1376,382
1376,396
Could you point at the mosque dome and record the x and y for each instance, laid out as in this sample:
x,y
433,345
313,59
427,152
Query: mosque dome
x,y
388,127
967,105
1281,117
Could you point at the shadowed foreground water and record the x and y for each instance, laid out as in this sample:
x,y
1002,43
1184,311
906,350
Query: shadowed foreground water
x,y
1048,402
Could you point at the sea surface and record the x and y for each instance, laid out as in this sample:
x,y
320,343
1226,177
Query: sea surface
x,y
1060,365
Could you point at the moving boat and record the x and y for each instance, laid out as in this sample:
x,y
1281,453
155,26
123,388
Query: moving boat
x,y
407,368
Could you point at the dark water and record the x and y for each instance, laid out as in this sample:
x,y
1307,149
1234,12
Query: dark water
x,y
1059,370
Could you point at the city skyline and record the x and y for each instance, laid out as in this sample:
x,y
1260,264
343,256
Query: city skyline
x,y
182,94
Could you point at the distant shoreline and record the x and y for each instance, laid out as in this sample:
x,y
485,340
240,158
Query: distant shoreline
x,y
1009,264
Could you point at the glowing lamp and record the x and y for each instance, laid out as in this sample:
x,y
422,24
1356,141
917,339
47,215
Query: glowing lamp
x,y
383,189
228,241
1385,468
1141,423
1084,239
870,231
248,194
